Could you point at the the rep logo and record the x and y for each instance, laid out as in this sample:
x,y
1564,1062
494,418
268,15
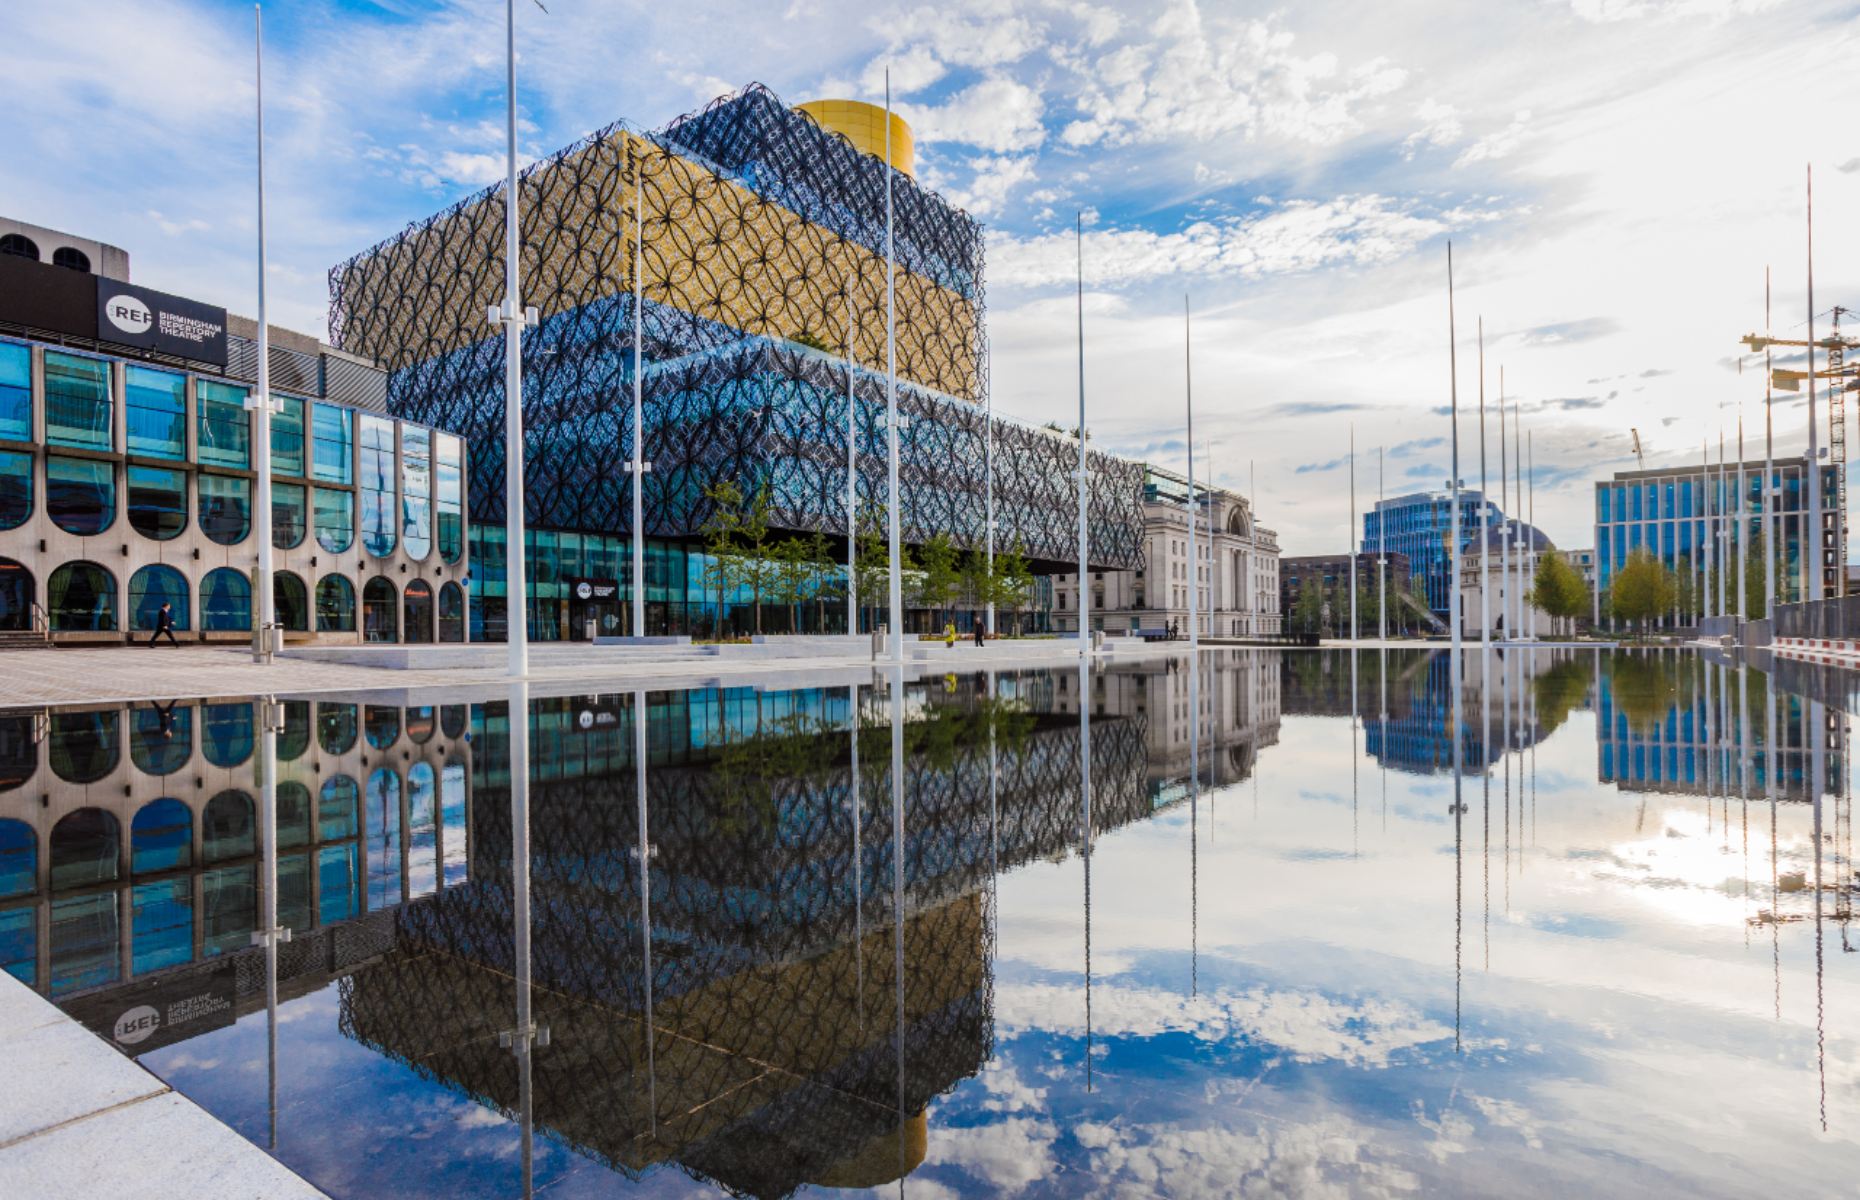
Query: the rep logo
x,y
129,314
136,1025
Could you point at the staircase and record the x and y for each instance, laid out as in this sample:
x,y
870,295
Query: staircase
x,y
33,637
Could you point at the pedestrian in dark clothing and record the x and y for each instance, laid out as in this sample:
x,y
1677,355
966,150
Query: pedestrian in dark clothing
x,y
981,636
166,718
164,623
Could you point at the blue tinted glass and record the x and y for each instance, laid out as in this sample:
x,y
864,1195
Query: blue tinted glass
x,y
77,401
15,488
333,452
225,428
155,412
15,391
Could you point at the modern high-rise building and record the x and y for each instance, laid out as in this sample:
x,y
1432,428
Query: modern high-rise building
x,y
1685,515
1419,525
754,235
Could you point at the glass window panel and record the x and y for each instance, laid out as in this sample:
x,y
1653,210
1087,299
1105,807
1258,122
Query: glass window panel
x,y
161,837
15,488
161,738
226,827
230,908
289,515
294,738
155,412
150,588
452,817
19,944
335,519
225,428
422,830
85,848
15,391
339,893
80,494
225,507
416,490
161,924
290,601
19,854
86,949
380,521
333,452
336,728
77,402
336,805
380,611
287,435
226,737
382,826
449,488
157,501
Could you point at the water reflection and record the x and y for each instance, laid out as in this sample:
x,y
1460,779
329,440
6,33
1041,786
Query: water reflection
x,y
1002,932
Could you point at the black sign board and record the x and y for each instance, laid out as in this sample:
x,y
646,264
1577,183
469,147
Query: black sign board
x,y
160,1010
41,296
137,316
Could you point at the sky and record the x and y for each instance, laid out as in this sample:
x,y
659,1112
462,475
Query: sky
x,y
1614,175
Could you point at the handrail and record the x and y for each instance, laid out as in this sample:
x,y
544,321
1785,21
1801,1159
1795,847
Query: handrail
x,y
41,622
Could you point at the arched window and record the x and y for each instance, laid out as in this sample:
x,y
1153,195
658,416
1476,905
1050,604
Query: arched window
x,y
17,593
293,815
20,244
452,819
87,848
161,837
226,827
19,859
85,745
335,727
226,733
152,586
294,738
421,724
225,600
453,718
81,597
416,490
451,613
380,611
335,605
80,494
382,724
225,507
71,258
335,808
161,739
449,484
15,488
79,410
379,527
291,601
419,609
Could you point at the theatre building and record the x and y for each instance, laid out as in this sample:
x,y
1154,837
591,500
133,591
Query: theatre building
x,y
127,480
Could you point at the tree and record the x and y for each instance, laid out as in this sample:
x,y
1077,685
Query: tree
x,y
872,565
1308,608
799,568
1685,589
1643,589
940,573
1013,582
1558,589
737,536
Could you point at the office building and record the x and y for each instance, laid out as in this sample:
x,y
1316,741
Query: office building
x,y
1420,525
1685,515
1314,594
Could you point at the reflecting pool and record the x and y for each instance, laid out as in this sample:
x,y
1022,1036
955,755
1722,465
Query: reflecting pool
x,y
1285,922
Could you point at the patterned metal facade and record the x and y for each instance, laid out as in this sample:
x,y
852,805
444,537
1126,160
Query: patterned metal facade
x,y
762,242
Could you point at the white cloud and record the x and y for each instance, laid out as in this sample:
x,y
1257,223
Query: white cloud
x,y
1440,126
1496,145
990,39
987,192
1605,11
997,115
911,71
1007,1153
1299,235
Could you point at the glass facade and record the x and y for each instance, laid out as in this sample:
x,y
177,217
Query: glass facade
x,y
333,448
449,478
149,589
155,412
287,435
1703,521
289,515
335,519
78,410
224,426
1421,526
225,507
157,501
15,391
15,488
80,494
377,486
416,491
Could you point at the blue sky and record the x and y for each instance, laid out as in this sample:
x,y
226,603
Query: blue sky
x,y
1615,175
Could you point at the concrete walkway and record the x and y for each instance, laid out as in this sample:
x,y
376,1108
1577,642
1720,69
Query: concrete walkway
x,y
79,1120
127,674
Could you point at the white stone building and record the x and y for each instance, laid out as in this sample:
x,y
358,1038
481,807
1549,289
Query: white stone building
x,y
1236,570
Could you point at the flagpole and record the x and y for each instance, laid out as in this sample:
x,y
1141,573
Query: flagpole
x,y
1769,468
1194,560
891,400
639,429
261,404
1530,447
1504,526
1453,587
1816,569
514,317
1485,511
1349,544
1084,597
852,481
1382,571
989,447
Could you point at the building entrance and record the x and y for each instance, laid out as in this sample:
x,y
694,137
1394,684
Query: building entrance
x,y
593,608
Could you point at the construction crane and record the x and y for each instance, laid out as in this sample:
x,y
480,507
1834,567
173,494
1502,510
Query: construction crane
x,y
1841,380
1637,450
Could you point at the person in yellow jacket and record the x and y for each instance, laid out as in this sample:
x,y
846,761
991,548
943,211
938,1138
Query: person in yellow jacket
x,y
949,635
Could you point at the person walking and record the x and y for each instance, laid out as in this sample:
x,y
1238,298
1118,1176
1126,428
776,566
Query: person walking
x,y
164,623
981,636
949,635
